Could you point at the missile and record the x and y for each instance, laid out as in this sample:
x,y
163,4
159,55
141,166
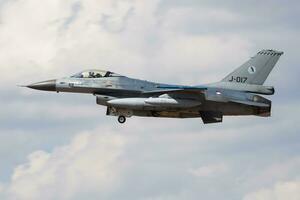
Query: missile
x,y
138,103
184,103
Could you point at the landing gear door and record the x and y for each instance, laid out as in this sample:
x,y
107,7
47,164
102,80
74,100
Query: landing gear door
x,y
118,112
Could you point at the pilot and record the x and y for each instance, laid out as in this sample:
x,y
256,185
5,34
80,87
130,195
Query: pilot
x,y
98,75
91,75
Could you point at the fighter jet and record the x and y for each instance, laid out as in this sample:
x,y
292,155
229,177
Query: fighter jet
x,y
239,93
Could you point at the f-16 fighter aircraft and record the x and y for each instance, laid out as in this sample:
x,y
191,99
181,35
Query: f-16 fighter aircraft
x,y
237,94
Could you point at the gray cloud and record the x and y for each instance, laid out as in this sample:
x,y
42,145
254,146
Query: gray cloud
x,y
166,41
159,161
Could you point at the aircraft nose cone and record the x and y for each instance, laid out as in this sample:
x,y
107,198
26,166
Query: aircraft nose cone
x,y
44,85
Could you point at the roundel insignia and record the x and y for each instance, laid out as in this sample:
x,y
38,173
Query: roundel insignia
x,y
251,69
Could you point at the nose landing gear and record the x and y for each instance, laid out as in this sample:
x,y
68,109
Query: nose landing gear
x,y
122,119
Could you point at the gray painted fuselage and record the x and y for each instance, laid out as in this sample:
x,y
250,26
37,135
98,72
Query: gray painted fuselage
x,y
128,97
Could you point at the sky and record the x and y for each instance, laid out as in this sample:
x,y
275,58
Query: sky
x,y
62,146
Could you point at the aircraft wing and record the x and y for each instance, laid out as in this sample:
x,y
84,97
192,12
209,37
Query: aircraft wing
x,y
175,89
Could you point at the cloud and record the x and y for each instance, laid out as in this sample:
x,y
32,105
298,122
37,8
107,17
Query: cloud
x,y
280,191
157,162
278,171
197,53
54,37
167,41
89,163
209,170
129,37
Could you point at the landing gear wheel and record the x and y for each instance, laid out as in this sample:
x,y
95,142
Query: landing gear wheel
x,y
121,119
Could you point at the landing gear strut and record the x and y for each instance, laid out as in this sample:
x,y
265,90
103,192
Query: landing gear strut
x,y
121,119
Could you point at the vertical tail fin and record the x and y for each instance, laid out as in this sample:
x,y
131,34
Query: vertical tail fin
x,y
256,69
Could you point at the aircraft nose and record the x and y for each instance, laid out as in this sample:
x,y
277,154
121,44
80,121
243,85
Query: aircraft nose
x,y
44,85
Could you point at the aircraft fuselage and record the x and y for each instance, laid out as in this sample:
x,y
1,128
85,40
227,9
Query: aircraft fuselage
x,y
236,94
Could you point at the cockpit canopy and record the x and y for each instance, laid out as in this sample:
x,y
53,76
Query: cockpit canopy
x,y
94,74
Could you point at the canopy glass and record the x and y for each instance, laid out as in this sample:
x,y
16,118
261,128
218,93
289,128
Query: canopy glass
x,y
94,74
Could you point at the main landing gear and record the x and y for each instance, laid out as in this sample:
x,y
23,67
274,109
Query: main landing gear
x,y
122,119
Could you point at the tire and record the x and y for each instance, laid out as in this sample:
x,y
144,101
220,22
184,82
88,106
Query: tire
x,y
122,119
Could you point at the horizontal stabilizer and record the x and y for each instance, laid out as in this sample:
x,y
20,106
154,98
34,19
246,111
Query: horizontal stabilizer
x,y
250,88
251,103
